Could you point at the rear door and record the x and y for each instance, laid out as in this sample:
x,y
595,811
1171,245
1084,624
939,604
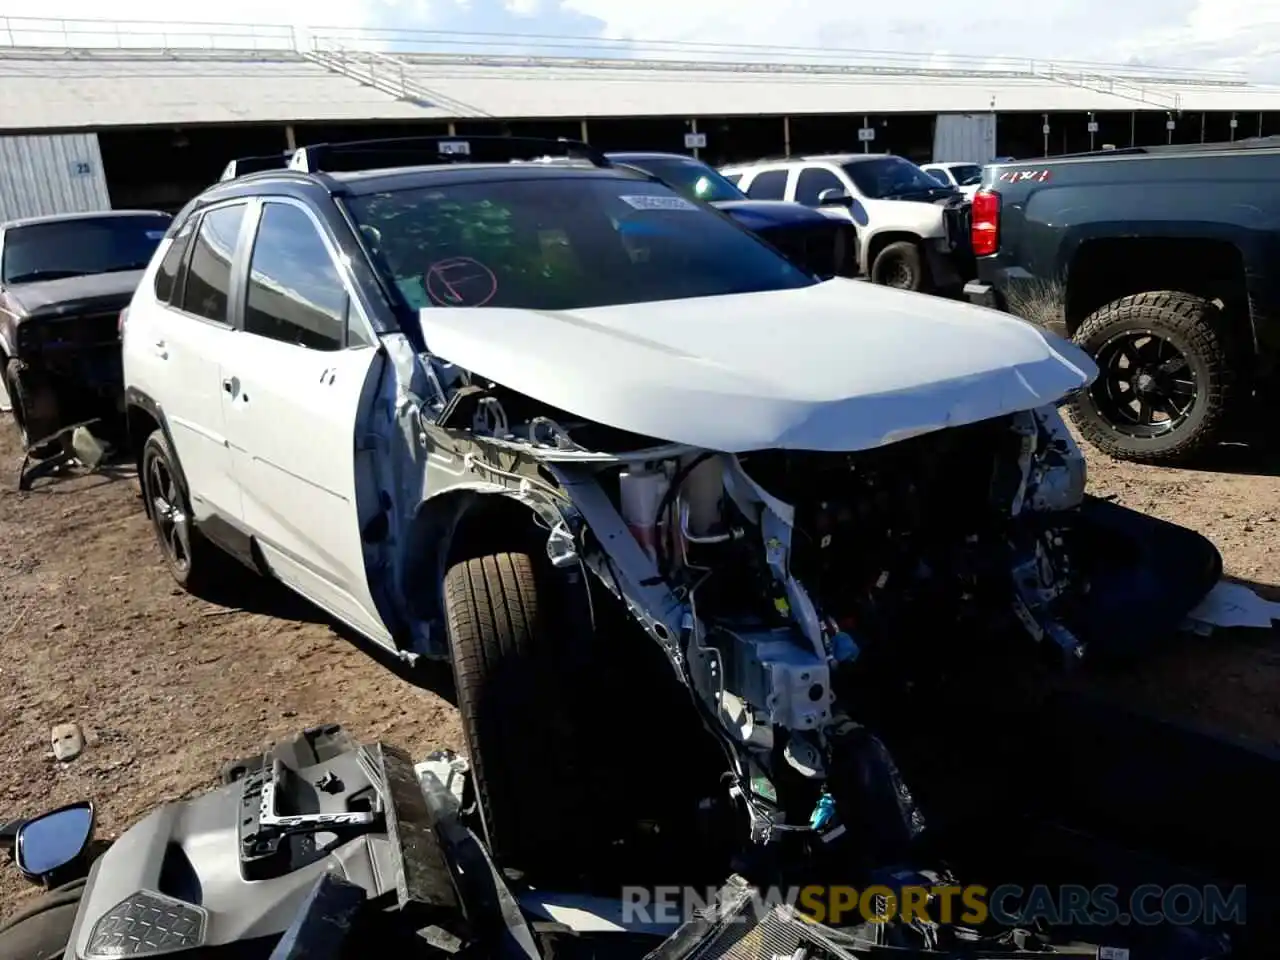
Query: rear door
x,y
295,390
767,184
177,331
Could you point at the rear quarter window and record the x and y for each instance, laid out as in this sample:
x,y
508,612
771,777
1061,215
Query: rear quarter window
x,y
167,273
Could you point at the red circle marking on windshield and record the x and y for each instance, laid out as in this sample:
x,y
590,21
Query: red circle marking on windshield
x,y
460,282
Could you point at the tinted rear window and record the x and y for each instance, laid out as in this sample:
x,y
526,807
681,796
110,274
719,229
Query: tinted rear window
x,y
73,248
562,244
691,177
891,176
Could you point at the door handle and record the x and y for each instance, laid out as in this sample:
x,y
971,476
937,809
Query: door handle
x,y
231,386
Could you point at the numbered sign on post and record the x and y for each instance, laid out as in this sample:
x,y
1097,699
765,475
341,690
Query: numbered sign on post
x,y
695,141
866,134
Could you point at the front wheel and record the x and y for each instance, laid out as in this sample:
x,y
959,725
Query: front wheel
x,y
35,409
1165,380
515,695
901,265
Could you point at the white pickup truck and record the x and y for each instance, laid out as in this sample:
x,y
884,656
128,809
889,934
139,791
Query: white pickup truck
x,y
913,232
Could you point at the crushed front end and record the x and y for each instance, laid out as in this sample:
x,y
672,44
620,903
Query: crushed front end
x,y
771,578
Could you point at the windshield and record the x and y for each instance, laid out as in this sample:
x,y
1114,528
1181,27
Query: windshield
x,y
692,178
562,244
967,174
886,177
75,248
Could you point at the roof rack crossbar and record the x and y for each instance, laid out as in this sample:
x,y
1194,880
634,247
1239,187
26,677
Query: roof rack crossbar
x,y
244,165
428,151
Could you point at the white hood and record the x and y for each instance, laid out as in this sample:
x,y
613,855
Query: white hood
x,y
842,365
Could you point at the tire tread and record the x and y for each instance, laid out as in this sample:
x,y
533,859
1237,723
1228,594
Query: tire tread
x,y
509,697
1195,319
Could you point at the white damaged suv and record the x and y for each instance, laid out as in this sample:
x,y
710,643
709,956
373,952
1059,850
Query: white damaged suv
x,y
506,414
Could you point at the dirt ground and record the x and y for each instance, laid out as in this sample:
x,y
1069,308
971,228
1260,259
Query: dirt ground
x,y
168,687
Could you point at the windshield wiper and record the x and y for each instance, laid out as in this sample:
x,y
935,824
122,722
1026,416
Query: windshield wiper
x,y
127,266
31,276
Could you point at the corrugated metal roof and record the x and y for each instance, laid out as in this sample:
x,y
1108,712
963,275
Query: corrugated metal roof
x,y
551,91
83,89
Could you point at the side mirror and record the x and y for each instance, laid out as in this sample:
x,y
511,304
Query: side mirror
x,y
50,843
834,197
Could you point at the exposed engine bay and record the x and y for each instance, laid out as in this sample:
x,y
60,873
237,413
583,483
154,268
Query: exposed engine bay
x,y
765,576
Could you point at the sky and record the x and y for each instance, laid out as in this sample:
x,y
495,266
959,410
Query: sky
x,y
1237,35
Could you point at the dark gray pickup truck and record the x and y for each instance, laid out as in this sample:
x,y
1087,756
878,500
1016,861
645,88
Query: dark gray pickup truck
x,y
63,281
1164,264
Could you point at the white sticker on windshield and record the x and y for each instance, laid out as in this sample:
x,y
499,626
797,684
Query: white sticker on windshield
x,y
651,202
155,234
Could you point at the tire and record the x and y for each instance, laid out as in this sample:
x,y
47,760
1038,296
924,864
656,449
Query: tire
x,y
514,692
900,265
35,409
42,930
189,557
1191,328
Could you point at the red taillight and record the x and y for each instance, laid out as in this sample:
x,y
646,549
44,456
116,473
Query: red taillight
x,y
120,322
985,223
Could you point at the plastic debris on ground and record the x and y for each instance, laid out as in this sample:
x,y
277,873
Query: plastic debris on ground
x,y
1232,605
67,740
89,450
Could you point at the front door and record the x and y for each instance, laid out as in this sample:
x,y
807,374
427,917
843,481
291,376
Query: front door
x,y
295,391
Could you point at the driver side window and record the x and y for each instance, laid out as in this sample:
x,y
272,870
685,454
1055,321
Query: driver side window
x,y
295,293
811,183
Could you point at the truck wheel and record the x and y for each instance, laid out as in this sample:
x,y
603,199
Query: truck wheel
x,y
900,265
35,409
513,696
42,930
190,558
1165,379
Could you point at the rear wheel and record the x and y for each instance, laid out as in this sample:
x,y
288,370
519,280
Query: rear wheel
x,y
188,555
515,695
1165,380
901,266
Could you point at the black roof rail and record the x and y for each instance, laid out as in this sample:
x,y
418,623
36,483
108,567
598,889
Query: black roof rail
x,y
242,165
429,151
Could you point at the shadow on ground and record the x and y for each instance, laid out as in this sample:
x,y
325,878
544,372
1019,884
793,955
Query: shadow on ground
x,y
240,590
1258,458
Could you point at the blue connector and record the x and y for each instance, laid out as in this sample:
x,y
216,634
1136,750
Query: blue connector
x,y
823,812
844,648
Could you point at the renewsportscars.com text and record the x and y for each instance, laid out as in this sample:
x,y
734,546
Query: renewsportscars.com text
x,y
1009,904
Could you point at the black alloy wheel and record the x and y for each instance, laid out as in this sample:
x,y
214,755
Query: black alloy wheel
x,y
1146,387
167,505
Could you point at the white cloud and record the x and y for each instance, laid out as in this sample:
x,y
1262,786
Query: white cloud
x,y
1193,34
1217,34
